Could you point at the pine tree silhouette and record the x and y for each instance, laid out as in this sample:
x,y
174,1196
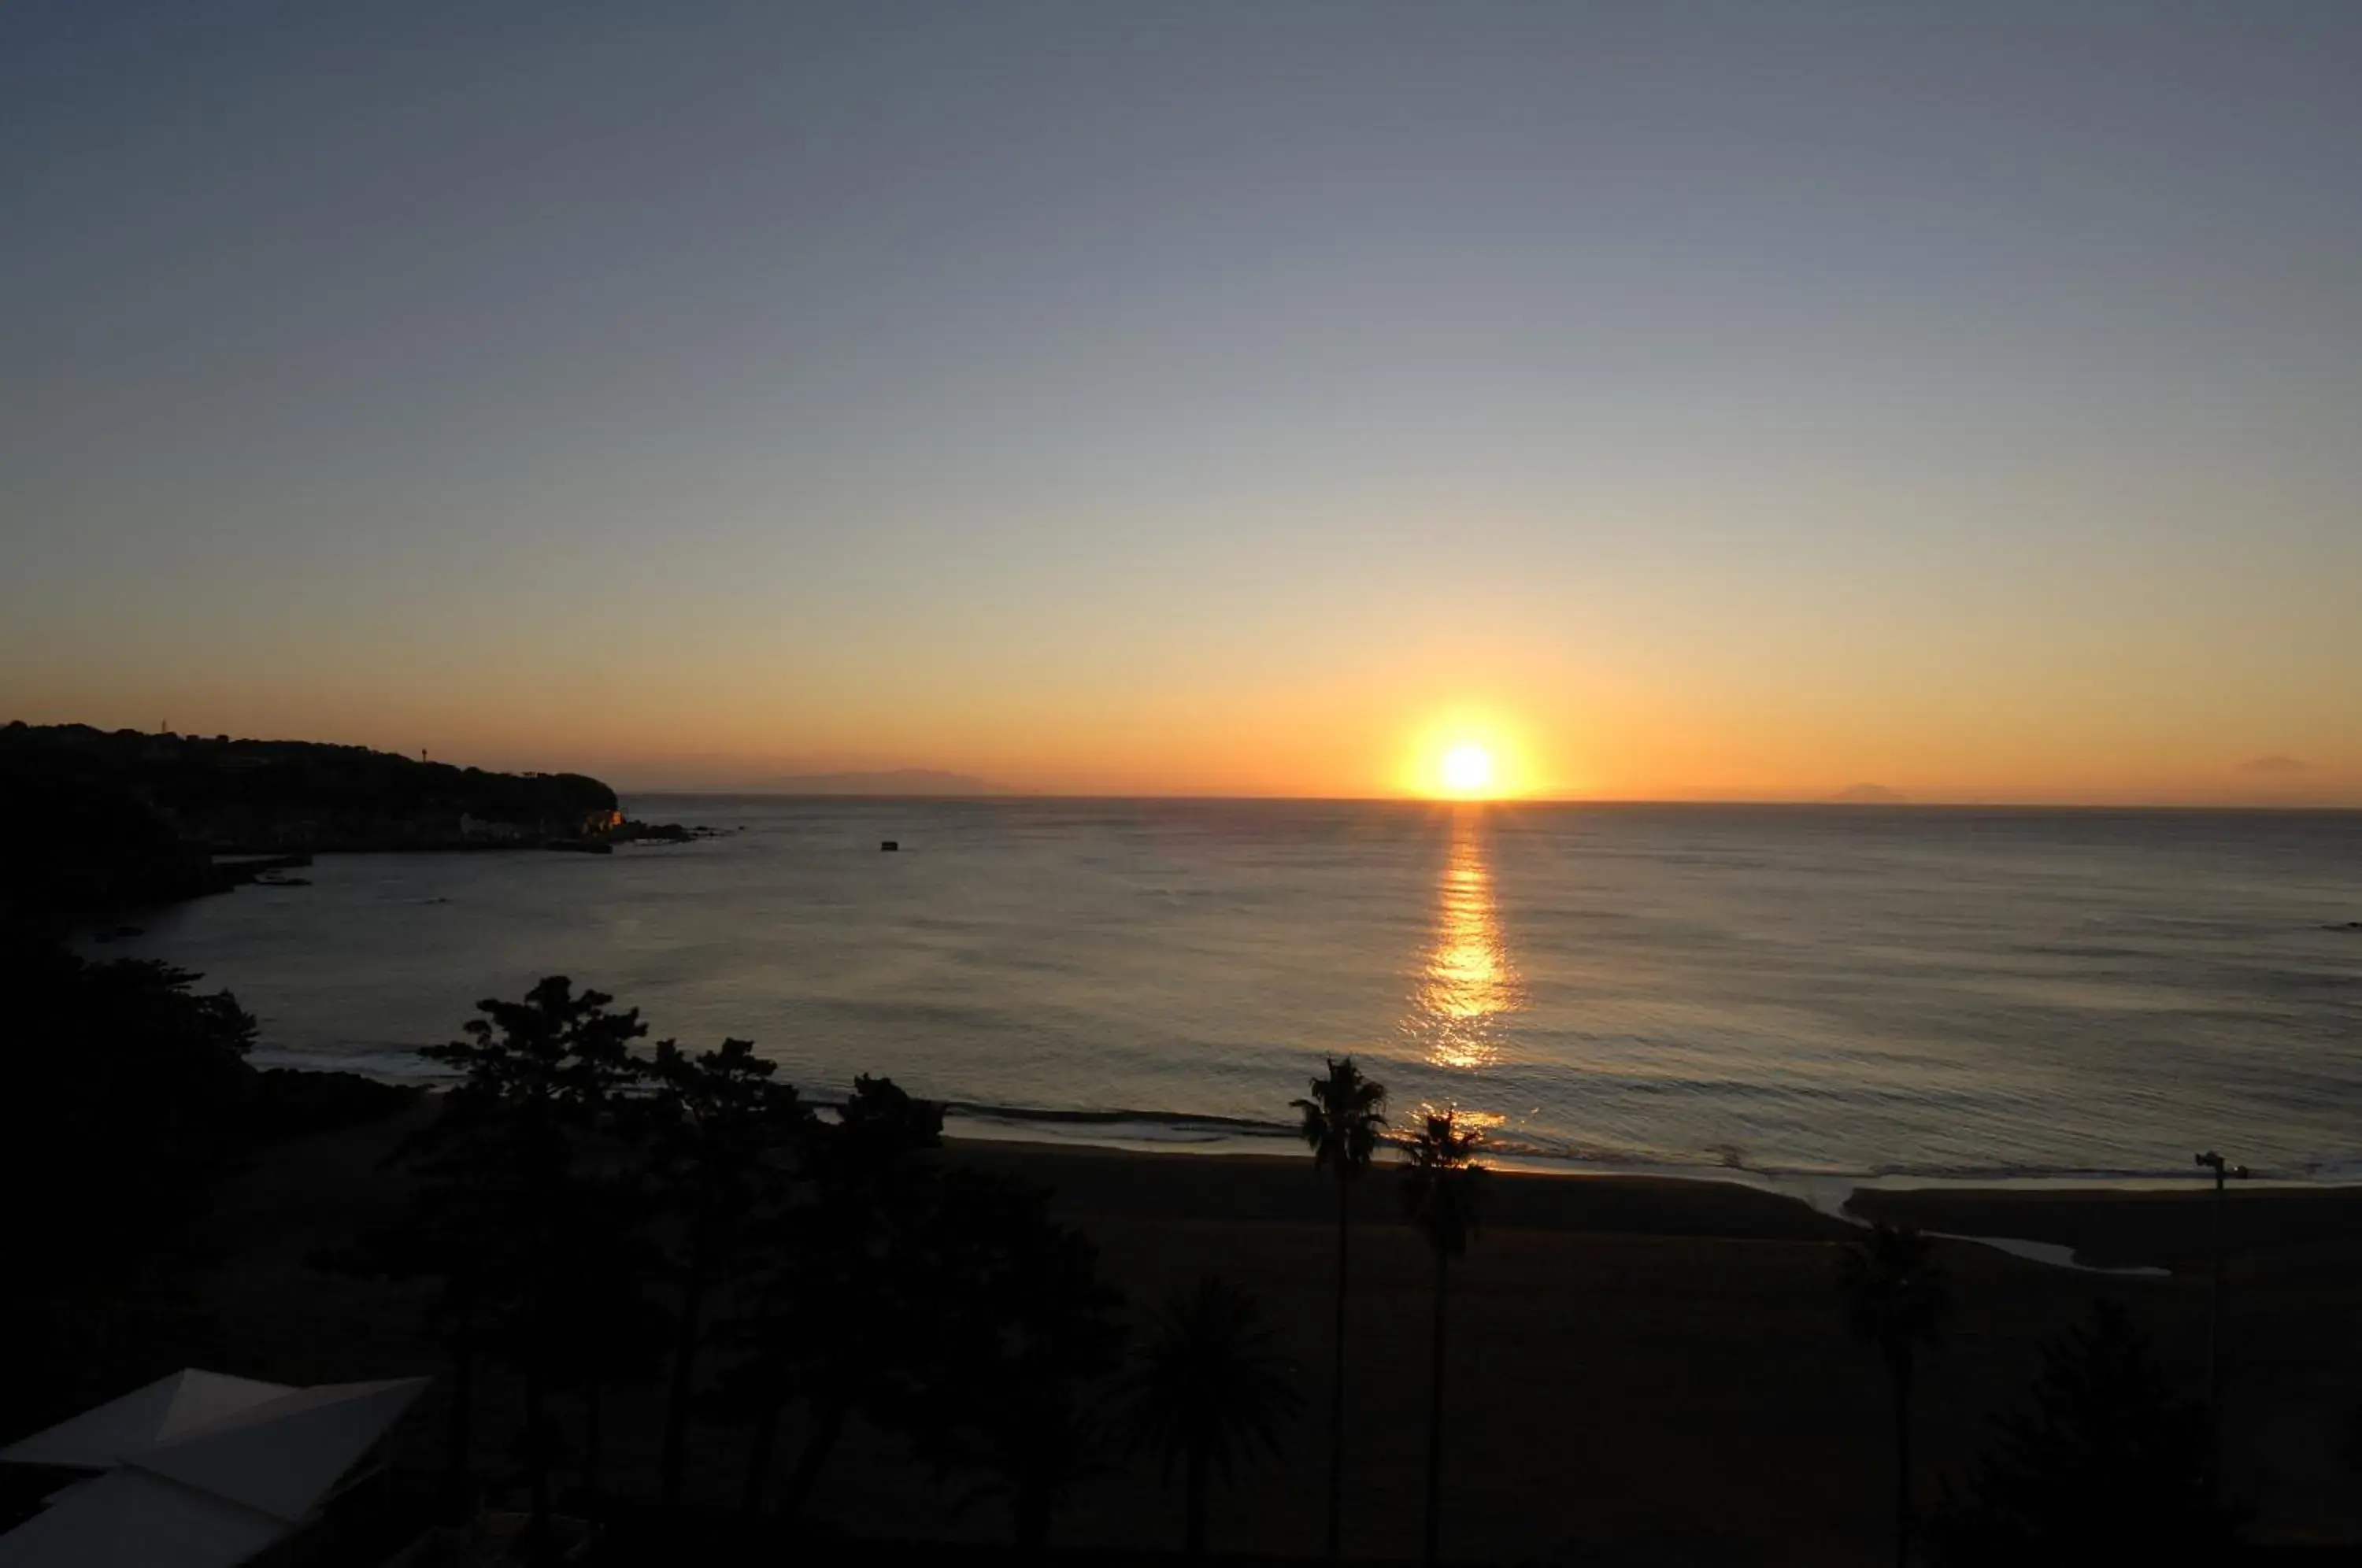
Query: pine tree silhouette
x,y
2109,1464
722,1143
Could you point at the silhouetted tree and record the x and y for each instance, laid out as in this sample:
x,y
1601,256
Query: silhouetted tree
x,y
721,1139
122,1096
869,1236
540,1081
612,1331
1443,1191
832,1299
443,1229
1342,1118
2109,1465
1896,1300
1002,1384
1207,1390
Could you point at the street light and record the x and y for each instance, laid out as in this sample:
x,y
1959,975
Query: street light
x,y
2223,1172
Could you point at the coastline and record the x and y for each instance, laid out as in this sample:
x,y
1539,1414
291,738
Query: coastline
x,y
1206,1136
1826,1191
1194,1136
2141,1227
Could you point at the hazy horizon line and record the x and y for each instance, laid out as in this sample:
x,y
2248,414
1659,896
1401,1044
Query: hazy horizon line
x,y
1407,798
2336,792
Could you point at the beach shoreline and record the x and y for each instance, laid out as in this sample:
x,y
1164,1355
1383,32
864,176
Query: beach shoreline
x,y
1203,1136
1643,1368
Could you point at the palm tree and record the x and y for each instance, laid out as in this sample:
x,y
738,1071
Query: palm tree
x,y
1341,1120
1896,1299
1443,1188
1208,1389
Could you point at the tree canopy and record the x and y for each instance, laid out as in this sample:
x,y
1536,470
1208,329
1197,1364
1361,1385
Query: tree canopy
x,y
2107,1464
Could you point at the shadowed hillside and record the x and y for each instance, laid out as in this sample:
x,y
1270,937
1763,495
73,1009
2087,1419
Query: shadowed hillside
x,y
103,819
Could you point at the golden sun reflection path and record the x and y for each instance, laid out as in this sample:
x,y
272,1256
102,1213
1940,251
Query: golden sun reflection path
x,y
1469,985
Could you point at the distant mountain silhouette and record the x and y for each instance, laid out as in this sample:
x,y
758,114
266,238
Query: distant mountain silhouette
x,y
1868,795
888,781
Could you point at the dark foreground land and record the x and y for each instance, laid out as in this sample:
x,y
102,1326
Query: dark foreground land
x,y
1641,1370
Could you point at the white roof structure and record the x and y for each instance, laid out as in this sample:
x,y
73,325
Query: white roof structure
x,y
199,1470
165,1410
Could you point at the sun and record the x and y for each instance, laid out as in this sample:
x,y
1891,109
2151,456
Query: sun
x,y
1467,769
1469,754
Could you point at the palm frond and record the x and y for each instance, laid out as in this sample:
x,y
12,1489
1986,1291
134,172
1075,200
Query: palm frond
x,y
1896,1296
1208,1380
1444,1188
1342,1118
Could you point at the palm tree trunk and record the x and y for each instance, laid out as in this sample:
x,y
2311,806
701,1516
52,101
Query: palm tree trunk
x,y
1337,1391
684,1372
817,1448
1435,1420
758,1458
1193,1494
1903,1463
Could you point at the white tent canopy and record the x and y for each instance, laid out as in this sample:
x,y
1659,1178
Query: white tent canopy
x,y
200,1471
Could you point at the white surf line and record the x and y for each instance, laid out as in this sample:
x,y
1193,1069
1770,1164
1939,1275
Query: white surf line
x,y
1828,1194
1833,1196
2056,1254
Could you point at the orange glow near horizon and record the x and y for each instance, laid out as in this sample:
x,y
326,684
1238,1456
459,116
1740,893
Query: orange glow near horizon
x,y
1385,731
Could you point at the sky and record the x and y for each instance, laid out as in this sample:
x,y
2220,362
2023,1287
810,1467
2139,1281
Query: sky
x,y
1678,401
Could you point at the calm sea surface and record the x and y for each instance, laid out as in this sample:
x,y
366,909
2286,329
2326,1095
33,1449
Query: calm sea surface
x,y
1782,990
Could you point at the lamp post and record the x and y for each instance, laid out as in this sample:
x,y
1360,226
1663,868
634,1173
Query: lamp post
x,y
2223,1172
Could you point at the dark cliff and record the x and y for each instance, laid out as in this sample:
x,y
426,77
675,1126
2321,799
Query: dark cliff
x,y
100,819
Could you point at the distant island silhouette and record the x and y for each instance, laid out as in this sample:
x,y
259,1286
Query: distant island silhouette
x,y
1869,795
887,781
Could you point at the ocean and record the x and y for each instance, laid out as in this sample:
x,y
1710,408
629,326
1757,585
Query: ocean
x,y
1778,990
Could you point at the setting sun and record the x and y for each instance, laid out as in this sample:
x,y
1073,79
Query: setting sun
x,y
1467,753
1467,769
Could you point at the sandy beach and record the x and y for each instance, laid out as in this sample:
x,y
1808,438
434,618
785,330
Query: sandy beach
x,y
1641,1370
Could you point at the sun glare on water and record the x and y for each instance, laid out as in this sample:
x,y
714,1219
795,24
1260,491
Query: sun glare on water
x,y
1468,769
